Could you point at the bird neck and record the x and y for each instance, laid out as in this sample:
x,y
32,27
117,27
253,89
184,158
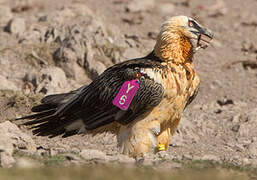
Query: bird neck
x,y
174,47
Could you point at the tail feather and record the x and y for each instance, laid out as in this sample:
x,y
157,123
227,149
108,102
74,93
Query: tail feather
x,y
43,107
45,122
51,124
50,120
36,121
38,115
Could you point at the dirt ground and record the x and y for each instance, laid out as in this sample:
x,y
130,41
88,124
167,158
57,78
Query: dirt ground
x,y
219,125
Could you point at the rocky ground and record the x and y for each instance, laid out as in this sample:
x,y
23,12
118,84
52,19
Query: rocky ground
x,y
55,46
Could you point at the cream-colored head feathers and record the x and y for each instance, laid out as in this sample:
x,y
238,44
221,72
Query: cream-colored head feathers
x,y
174,42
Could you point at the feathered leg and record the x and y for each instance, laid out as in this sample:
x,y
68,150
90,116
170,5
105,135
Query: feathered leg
x,y
137,139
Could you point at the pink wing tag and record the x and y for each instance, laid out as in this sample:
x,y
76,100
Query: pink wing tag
x,y
126,94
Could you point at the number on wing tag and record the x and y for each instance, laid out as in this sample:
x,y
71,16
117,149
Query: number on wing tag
x,y
126,94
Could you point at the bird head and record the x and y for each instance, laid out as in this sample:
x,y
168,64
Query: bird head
x,y
189,28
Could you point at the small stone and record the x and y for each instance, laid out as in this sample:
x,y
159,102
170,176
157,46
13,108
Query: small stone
x,y
237,118
187,157
246,161
218,111
50,80
239,147
253,149
225,101
53,152
43,152
235,128
72,157
16,26
162,154
244,130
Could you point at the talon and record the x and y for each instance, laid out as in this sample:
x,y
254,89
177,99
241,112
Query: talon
x,y
161,147
139,161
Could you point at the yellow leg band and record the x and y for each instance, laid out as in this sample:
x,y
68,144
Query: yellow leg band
x,y
161,147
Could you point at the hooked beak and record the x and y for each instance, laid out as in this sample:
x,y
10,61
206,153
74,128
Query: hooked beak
x,y
205,35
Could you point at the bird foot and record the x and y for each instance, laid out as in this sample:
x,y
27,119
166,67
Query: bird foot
x,y
139,161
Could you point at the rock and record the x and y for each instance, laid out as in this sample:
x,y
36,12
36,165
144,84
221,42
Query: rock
x,y
225,102
6,150
244,130
253,149
6,143
5,14
237,118
20,140
50,80
139,6
73,158
246,161
34,33
92,154
12,138
94,68
66,57
7,84
235,128
6,160
85,48
162,155
81,47
187,157
252,116
79,74
16,26
43,152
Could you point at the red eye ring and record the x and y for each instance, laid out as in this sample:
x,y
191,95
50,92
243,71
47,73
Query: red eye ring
x,y
190,24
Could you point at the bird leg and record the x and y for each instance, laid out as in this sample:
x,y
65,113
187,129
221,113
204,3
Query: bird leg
x,y
163,140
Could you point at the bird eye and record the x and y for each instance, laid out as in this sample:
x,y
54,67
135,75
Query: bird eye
x,y
190,24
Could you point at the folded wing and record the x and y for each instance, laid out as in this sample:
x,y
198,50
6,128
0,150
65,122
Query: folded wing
x,y
90,107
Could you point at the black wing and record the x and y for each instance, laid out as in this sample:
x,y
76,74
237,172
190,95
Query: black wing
x,y
93,103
